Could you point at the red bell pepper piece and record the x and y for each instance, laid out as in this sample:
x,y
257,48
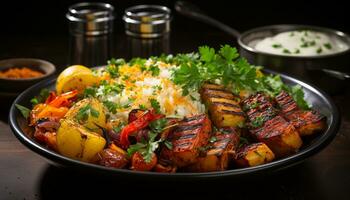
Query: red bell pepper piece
x,y
64,100
137,125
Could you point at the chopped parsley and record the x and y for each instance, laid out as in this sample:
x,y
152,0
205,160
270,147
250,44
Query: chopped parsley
x,y
257,122
147,148
154,70
286,51
327,45
155,105
44,93
319,50
84,113
90,92
213,139
277,46
111,106
113,67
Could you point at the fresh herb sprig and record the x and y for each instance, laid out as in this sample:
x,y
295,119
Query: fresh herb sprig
x,y
147,148
84,113
229,69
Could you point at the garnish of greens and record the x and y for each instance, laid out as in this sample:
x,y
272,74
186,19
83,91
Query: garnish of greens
x,y
24,111
155,105
147,148
84,113
44,93
228,68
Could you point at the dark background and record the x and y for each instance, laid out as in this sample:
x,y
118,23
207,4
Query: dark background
x,y
28,28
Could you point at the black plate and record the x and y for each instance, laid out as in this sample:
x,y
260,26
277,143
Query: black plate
x,y
316,97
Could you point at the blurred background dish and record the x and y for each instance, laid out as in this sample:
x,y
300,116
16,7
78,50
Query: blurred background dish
x,y
17,74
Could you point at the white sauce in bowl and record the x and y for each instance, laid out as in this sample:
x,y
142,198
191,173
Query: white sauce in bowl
x,y
301,43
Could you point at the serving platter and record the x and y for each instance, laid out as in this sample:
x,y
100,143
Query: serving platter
x,y
317,98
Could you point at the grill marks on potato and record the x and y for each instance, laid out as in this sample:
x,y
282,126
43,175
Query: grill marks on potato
x,y
306,122
269,127
223,106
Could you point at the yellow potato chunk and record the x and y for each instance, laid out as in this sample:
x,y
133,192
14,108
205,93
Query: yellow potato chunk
x,y
92,122
75,141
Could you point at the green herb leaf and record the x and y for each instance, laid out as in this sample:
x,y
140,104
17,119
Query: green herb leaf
x,y
158,125
90,92
327,45
258,121
24,111
41,98
277,46
213,139
155,105
298,95
154,70
84,113
168,144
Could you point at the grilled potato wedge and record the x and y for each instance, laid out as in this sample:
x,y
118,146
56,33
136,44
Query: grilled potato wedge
x,y
221,146
307,122
75,141
92,122
268,127
186,138
223,106
253,155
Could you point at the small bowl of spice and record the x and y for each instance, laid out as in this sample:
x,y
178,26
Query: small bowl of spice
x,y
18,74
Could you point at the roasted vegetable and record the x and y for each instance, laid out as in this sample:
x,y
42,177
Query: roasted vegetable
x,y
139,123
267,126
219,152
138,163
186,139
75,77
88,112
307,122
253,155
75,141
113,156
223,106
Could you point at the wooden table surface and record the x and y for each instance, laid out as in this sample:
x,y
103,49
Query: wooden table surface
x,y
26,175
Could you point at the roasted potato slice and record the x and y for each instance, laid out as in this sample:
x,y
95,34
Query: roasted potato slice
x,y
219,154
307,122
186,138
86,107
253,155
75,141
267,126
223,106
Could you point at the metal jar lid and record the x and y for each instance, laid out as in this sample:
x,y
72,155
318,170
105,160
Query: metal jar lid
x,y
147,21
91,18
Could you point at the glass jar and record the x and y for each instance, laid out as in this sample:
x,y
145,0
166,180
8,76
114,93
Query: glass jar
x,y
90,27
148,30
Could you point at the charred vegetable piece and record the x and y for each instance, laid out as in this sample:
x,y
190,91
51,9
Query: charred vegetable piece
x,y
136,125
253,155
268,127
76,141
221,149
113,157
223,106
186,139
138,162
89,113
307,122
